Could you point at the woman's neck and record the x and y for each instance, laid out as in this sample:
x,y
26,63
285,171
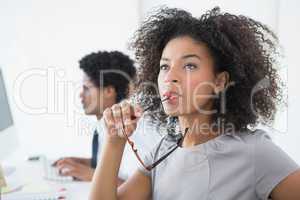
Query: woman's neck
x,y
200,129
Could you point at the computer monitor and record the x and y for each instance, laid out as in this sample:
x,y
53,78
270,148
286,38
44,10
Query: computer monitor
x,y
8,137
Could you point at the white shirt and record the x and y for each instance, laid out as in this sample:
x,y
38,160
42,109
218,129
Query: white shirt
x,y
100,131
145,139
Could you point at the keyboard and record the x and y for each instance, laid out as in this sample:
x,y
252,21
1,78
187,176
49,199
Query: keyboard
x,y
52,174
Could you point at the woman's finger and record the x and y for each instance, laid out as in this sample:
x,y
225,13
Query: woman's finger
x,y
109,121
127,117
117,115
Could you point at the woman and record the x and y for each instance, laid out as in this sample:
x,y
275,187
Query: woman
x,y
217,79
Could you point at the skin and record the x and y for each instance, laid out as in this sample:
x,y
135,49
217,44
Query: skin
x,y
91,96
191,75
196,83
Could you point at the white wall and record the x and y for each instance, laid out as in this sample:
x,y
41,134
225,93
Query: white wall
x,y
283,17
48,38
262,10
289,31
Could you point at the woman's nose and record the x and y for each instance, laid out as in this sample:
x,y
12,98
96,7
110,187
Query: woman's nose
x,y
171,76
81,94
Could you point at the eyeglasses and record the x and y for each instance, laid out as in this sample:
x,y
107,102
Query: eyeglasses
x,y
153,165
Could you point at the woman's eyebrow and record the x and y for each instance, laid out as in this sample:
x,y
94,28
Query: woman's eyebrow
x,y
183,57
190,56
164,59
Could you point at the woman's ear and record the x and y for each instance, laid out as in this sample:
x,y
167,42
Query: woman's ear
x,y
109,91
221,81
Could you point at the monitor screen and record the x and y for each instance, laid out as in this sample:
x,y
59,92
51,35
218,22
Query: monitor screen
x,y
5,114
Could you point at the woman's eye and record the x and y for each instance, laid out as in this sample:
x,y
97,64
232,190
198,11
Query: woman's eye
x,y
163,67
190,66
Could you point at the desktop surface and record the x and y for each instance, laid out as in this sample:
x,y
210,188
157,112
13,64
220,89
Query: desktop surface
x,y
31,175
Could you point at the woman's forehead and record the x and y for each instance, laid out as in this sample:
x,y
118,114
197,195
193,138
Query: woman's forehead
x,y
184,47
86,80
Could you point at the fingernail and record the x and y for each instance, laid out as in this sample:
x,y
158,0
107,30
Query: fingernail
x,y
127,122
118,126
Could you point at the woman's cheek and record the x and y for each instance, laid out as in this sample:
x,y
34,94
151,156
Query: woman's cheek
x,y
192,88
198,93
189,93
160,84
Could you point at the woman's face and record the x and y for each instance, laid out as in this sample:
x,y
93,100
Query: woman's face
x,y
187,77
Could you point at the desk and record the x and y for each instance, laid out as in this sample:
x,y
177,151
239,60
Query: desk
x,y
32,172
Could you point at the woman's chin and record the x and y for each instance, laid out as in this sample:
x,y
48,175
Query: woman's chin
x,y
172,112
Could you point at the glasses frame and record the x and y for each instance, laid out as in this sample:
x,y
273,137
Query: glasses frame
x,y
153,165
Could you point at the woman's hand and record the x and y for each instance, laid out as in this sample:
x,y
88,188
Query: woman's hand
x,y
121,119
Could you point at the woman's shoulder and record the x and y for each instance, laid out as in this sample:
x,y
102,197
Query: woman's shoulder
x,y
254,136
241,144
259,145
248,137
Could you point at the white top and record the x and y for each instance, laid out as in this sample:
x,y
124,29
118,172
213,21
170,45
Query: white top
x,y
243,166
145,139
100,131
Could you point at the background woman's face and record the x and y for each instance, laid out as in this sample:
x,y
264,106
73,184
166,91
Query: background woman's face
x,y
187,75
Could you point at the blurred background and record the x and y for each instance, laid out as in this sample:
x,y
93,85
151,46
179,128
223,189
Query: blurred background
x,y
42,41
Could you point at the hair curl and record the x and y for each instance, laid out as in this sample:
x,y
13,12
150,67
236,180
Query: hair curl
x,y
243,47
121,66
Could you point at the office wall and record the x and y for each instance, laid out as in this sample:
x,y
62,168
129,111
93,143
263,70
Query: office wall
x,y
288,32
282,17
264,10
41,43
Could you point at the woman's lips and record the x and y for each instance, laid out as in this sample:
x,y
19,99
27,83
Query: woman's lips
x,y
172,97
170,94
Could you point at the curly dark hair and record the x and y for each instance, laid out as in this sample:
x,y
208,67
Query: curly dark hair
x,y
243,47
121,70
